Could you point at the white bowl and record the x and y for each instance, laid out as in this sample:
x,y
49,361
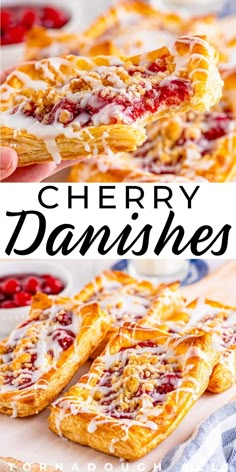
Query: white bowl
x,y
13,54
11,317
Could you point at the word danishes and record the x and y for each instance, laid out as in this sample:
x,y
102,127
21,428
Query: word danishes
x,y
66,238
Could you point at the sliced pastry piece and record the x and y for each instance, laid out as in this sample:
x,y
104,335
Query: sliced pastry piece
x,y
42,354
136,392
220,320
128,28
126,299
204,315
74,107
42,43
188,146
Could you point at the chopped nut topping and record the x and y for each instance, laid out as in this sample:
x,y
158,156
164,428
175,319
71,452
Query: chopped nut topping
x,y
65,116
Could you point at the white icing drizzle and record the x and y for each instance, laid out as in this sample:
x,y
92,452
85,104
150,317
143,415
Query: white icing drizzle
x,y
14,409
131,386
35,347
123,302
220,321
183,145
99,95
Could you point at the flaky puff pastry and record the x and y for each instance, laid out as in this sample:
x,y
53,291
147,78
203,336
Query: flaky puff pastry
x,y
42,354
76,107
203,315
42,43
193,146
125,299
220,320
128,28
221,33
136,392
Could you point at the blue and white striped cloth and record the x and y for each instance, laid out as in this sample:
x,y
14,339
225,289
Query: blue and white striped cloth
x,y
212,448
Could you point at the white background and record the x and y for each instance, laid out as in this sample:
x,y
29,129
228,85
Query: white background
x,y
214,205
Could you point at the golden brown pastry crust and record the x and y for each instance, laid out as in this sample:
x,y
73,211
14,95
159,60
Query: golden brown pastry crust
x,y
126,299
77,107
220,320
221,33
205,315
112,33
177,149
42,42
118,409
130,27
41,356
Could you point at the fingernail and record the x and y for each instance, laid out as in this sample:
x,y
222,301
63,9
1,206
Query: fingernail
x,y
6,160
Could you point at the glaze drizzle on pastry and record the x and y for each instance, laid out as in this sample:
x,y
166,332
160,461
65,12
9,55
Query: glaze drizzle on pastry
x,y
35,347
64,97
192,145
42,354
144,382
125,299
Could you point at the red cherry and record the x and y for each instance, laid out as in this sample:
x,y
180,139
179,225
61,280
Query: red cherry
x,y
53,18
5,19
65,338
14,35
33,358
32,285
8,304
159,66
11,286
46,276
52,286
29,17
165,388
65,342
22,298
218,127
8,379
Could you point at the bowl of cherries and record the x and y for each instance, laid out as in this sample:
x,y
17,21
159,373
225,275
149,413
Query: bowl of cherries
x,y
20,282
18,17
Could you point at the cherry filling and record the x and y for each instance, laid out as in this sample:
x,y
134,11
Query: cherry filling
x,y
129,108
65,318
205,129
65,338
120,393
218,126
158,66
24,378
